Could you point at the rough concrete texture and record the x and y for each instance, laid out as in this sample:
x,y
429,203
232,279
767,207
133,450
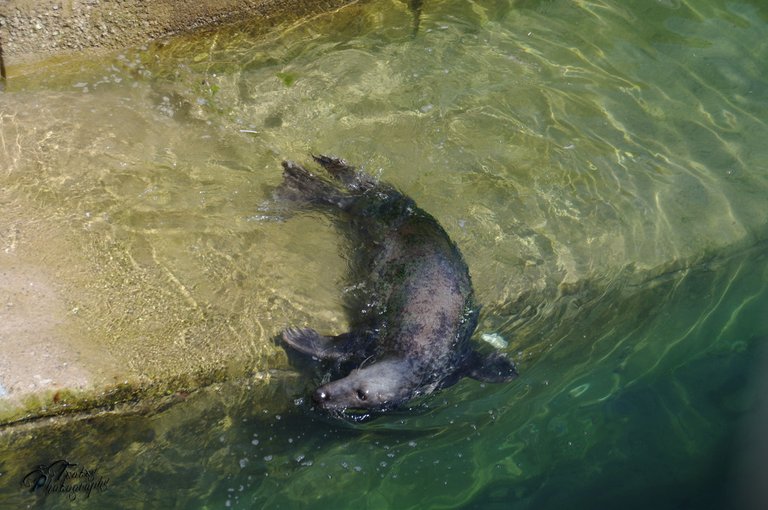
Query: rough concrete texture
x,y
30,310
31,30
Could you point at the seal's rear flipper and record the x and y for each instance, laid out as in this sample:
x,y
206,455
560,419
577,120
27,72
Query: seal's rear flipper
x,y
493,368
327,348
339,169
301,185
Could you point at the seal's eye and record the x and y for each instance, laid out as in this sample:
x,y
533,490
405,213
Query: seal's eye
x,y
361,395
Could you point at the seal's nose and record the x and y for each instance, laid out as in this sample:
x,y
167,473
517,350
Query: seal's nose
x,y
321,396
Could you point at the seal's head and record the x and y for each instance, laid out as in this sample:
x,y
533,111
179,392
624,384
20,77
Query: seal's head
x,y
377,387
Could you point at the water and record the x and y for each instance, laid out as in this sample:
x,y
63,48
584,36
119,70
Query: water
x,y
601,165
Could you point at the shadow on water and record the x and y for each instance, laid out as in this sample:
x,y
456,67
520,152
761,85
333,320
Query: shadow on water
x,y
416,6
3,76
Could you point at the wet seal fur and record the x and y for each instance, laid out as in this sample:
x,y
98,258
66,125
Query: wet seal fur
x,y
414,313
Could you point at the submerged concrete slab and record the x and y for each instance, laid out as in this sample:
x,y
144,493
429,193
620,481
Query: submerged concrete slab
x,y
52,360
47,359
36,355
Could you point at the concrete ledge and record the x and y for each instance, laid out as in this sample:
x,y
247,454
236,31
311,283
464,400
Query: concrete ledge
x,y
43,373
32,30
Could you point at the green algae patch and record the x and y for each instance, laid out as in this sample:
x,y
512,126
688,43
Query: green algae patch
x,y
62,403
288,79
268,389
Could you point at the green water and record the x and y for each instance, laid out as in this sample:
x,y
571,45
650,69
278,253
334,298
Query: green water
x,y
601,165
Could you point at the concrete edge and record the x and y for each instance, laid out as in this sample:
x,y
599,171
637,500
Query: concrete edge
x,y
32,31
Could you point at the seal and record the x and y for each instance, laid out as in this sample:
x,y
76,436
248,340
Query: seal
x,y
414,312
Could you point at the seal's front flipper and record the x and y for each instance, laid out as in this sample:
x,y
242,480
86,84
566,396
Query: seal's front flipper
x,y
331,348
493,368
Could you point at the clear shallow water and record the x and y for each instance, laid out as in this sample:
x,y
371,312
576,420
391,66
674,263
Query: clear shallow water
x,y
601,165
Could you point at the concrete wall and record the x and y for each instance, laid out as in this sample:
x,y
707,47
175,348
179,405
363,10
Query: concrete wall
x,y
32,30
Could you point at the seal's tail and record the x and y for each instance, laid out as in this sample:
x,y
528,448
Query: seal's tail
x,y
301,185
